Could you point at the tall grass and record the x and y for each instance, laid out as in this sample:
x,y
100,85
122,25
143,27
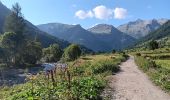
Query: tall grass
x,y
83,81
158,74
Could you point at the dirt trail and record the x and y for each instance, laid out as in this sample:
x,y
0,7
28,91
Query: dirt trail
x,y
133,84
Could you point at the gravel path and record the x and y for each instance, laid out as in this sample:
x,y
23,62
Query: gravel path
x,y
133,84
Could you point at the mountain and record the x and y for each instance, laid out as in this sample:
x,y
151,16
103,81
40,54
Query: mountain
x,y
162,32
97,38
112,36
3,12
74,34
32,31
162,35
141,28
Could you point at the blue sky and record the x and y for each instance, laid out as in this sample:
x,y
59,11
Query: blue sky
x,y
91,12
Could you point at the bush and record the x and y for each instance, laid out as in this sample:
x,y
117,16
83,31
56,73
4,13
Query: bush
x,y
103,66
87,88
138,54
153,45
72,52
113,51
52,53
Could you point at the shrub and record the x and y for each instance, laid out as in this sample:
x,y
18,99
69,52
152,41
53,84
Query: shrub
x,y
152,64
138,54
72,52
153,45
113,51
103,66
87,88
52,53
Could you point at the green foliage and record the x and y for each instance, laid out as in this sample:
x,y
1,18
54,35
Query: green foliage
x,y
80,84
144,64
9,40
72,52
138,54
102,66
52,53
13,45
15,21
87,88
113,51
17,50
2,55
153,45
158,56
32,53
13,40
156,67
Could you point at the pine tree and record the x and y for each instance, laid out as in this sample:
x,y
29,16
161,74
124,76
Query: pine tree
x,y
15,21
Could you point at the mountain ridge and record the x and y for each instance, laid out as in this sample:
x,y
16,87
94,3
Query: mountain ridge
x,y
31,30
89,38
141,28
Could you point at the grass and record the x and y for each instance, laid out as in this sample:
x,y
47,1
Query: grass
x,y
84,79
163,63
157,66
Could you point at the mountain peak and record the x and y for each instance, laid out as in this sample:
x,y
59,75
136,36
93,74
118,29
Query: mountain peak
x,y
102,28
139,20
141,28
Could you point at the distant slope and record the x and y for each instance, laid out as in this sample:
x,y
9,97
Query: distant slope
x,y
162,35
88,38
3,12
162,32
32,31
74,34
141,28
112,36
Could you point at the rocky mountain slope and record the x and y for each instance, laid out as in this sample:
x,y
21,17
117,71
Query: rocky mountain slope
x,y
162,35
141,28
98,38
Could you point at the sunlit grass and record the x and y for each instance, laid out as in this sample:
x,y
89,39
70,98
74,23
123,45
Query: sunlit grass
x,y
163,63
87,80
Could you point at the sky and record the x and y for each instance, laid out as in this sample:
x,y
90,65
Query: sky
x,y
88,13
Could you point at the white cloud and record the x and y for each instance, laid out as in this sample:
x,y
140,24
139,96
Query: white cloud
x,y
101,12
83,14
120,13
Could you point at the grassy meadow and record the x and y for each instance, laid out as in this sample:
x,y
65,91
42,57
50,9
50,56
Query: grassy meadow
x,y
84,79
156,63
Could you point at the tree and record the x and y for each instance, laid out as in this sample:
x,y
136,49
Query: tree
x,y
15,21
53,53
153,45
18,50
113,51
2,55
13,39
72,52
9,41
32,52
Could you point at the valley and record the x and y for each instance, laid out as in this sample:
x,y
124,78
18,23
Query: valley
x,y
119,57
